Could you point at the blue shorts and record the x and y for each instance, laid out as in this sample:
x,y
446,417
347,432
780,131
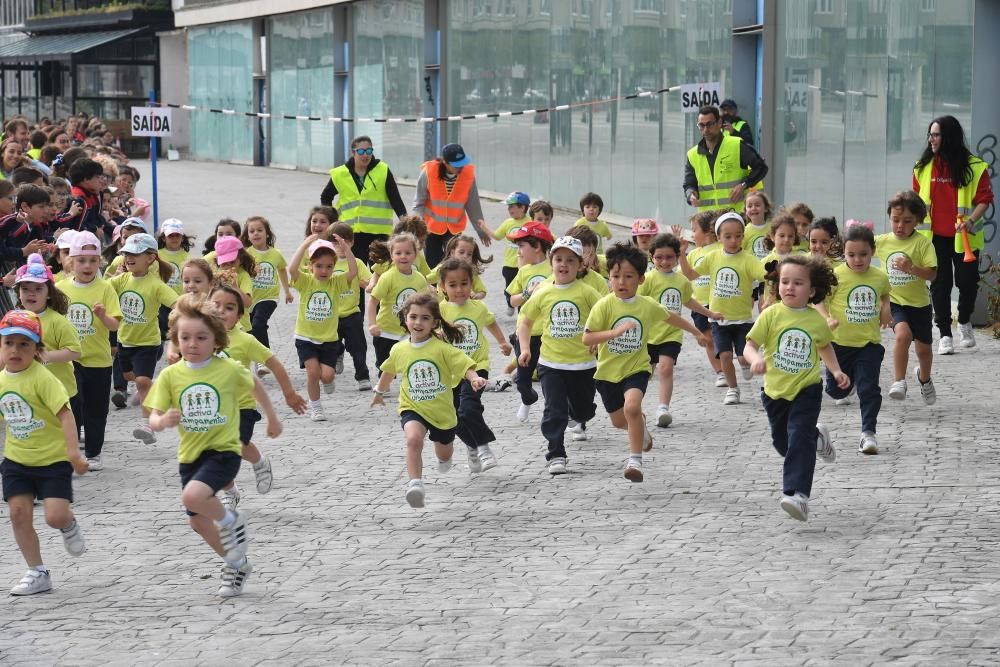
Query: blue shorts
x,y
248,417
700,322
445,436
730,337
670,349
613,393
920,320
213,468
51,481
140,360
327,353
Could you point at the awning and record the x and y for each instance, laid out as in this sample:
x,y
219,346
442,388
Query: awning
x,y
58,47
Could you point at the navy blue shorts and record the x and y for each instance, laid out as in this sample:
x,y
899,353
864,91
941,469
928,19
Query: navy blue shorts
x,y
214,468
51,481
613,393
248,417
327,353
445,436
730,337
919,319
670,349
700,322
140,360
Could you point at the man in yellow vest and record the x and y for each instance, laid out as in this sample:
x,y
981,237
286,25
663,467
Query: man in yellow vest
x,y
720,168
367,196
732,124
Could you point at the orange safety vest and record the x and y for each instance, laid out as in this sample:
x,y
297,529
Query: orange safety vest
x,y
445,212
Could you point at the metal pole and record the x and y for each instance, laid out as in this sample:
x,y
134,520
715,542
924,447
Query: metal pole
x,y
153,150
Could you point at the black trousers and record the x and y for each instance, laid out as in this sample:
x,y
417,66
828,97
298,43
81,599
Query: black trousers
x,y
362,240
434,248
952,270
383,346
568,395
351,330
472,428
90,405
260,315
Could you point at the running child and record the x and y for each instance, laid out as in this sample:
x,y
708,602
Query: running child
x,y
197,277
316,339
379,254
703,235
350,321
272,270
238,268
825,242
909,260
540,211
201,397
758,210
116,261
565,365
858,305
803,220
472,318
620,325
794,337
782,240
318,224
60,263
465,248
223,228
517,208
41,451
430,369
644,230
595,270
591,206
175,249
140,295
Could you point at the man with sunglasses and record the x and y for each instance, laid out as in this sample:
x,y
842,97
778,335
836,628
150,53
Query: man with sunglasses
x,y
720,168
367,196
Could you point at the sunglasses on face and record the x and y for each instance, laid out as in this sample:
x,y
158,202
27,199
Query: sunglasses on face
x,y
364,151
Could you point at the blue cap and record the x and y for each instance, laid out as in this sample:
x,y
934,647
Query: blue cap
x,y
455,155
518,198
138,244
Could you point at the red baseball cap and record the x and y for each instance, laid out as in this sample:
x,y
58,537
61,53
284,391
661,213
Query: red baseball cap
x,y
533,230
22,322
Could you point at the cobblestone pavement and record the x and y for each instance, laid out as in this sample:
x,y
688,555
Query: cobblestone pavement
x,y
697,565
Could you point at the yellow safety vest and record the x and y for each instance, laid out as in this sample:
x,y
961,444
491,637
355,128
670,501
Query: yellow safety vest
x,y
34,153
713,188
965,206
368,211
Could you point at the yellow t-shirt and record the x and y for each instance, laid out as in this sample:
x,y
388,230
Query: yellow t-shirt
x,y
731,289
510,247
625,355
701,286
30,401
348,301
855,303
600,228
59,334
562,310
753,240
907,289
428,372
432,278
791,340
528,276
318,310
140,300
176,258
592,279
392,289
265,286
245,349
671,290
420,264
472,317
94,342
208,399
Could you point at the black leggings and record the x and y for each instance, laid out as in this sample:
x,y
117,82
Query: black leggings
x,y
434,248
90,405
953,270
260,315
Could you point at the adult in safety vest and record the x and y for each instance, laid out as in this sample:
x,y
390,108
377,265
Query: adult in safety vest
x,y
447,197
719,169
367,196
955,186
732,124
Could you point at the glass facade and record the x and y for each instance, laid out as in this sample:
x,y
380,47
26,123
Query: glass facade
x,y
220,75
862,81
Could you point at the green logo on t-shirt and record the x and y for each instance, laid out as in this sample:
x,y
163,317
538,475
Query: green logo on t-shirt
x,y
533,281
760,251
318,307
794,351
82,318
628,342
670,299
564,320
897,278
265,278
19,416
424,380
175,277
133,307
862,305
401,298
199,405
727,283
470,335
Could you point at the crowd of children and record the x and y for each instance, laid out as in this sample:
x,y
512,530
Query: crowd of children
x,y
771,292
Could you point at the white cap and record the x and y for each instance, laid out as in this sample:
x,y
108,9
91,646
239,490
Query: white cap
x,y
726,217
172,226
570,243
65,240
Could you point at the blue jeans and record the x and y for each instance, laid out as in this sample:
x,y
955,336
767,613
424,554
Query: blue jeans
x,y
862,365
793,433
523,374
568,395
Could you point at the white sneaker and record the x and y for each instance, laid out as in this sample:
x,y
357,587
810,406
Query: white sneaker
x,y
720,380
339,366
317,415
475,465
797,506
732,396
663,417
415,493
647,439
557,466
144,433
262,475
633,471
522,413
868,444
230,498
133,400
364,384
824,444
846,400
579,432
33,581
262,370
95,464
510,311
946,346
73,539
329,387
927,390
747,372
898,390
486,458
966,338
233,579
235,538
444,466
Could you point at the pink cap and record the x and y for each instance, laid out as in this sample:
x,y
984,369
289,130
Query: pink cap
x,y
320,243
34,271
80,243
645,227
227,249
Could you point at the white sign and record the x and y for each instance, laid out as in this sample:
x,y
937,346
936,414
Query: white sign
x,y
151,122
694,95
796,97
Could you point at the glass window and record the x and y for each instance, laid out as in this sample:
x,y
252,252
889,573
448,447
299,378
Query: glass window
x,y
113,80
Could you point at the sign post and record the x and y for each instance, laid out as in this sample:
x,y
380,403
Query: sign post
x,y
152,122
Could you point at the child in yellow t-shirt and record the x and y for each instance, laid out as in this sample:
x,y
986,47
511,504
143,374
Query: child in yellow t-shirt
x,y
794,337
351,323
465,248
705,241
272,274
517,208
782,240
621,324
591,206
431,369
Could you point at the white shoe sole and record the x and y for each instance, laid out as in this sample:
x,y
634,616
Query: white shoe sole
x,y
793,509
415,496
664,419
633,474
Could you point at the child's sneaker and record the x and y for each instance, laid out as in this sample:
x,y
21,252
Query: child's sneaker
x,y
502,383
262,474
868,444
444,466
415,493
824,444
732,396
846,400
557,466
262,370
966,338
633,470
120,398
475,464
33,581
647,439
73,539
927,390
720,380
145,433
317,415
235,539
339,366
522,413
747,373
364,384
797,506
330,387
486,458
579,432
233,579
946,346
663,417
898,390
95,464
230,498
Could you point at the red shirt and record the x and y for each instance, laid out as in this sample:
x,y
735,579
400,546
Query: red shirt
x,y
944,198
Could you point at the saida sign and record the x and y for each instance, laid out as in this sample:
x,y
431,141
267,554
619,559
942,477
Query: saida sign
x,y
150,122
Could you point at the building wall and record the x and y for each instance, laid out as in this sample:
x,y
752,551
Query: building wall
x,y
174,85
